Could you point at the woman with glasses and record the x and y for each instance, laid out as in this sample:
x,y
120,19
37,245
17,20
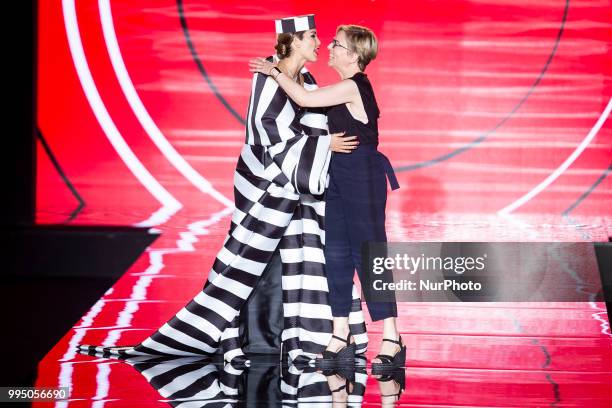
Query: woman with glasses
x,y
357,192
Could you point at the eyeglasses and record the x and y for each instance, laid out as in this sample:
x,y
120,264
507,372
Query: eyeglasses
x,y
335,44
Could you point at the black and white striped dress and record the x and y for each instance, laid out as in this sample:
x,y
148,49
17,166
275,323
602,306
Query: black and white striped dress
x,y
279,183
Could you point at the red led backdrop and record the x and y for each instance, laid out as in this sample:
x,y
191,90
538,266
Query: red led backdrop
x,y
494,114
481,102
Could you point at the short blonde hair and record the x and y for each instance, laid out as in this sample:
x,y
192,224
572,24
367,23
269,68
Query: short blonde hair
x,y
362,41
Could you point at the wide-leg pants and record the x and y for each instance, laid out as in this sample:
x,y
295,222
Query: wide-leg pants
x,y
354,214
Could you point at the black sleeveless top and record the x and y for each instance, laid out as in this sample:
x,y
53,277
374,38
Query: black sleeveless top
x,y
340,119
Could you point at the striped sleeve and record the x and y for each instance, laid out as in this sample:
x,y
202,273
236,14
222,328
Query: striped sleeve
x,y
305,161
300,148
314,120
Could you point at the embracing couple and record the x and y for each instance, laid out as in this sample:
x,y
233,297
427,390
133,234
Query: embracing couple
x,y
296,198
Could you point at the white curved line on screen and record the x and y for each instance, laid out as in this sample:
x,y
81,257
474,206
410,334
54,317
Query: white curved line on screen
x,y
564,166
141,113
170,205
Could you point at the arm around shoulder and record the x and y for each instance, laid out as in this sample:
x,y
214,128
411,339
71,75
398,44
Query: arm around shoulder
x,y
344,91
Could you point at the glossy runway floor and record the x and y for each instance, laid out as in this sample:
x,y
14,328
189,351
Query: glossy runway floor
x,y
494,114
459,354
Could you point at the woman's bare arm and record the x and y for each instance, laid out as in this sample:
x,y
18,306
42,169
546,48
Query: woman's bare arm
x,y
342,92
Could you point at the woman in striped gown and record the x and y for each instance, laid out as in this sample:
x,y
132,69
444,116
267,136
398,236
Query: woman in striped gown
x,y
278,185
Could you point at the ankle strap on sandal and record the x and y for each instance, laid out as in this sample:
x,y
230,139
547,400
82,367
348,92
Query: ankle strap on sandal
x,y
398,342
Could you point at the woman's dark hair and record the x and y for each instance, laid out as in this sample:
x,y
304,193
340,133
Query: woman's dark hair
x,y
283,43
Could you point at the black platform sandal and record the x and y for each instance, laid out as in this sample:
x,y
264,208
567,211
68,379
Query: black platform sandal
x,y
343,357
397,375
390,362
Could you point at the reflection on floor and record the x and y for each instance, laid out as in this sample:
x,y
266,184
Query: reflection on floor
x,y
476,354
194,381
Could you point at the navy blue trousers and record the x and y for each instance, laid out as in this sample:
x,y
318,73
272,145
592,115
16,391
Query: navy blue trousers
x,y
354,214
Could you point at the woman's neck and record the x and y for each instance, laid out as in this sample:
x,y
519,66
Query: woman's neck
x,y
347,72
291,66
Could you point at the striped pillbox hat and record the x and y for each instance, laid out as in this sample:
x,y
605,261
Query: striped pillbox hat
x,y
295,24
